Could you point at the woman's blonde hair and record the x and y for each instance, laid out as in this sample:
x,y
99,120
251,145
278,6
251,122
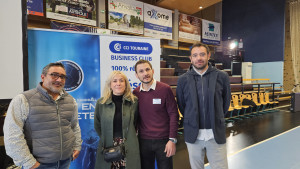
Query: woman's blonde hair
x,y
107,91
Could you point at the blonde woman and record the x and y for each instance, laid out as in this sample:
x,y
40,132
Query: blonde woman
x,y
114,121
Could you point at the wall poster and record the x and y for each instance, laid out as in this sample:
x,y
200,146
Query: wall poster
x,y
35,7
126,15
211,32
157,22
78,11
189,27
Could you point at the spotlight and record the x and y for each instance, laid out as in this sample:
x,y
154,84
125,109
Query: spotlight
x,y
233,45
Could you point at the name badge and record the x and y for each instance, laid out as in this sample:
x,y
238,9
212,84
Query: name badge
x,y
156,101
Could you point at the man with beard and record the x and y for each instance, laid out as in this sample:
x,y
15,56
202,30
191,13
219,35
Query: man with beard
x,y
158,119
41,128
203,97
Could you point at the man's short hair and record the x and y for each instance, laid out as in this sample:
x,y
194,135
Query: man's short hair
x,y
57,64
199,45
141,62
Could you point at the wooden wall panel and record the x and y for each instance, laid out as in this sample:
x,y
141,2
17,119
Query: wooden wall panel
x,y
288,73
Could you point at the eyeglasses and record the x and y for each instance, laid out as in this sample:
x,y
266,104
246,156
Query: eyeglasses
x,y
55,76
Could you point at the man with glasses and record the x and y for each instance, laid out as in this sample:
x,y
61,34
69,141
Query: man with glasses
x,y
158,119
203,97
41,129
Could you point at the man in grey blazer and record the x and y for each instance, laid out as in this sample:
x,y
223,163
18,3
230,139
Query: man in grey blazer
x,y
203,97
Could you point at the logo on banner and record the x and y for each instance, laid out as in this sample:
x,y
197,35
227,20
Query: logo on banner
x,y
211,27
74,74
118,47
77,12
154,14
113,4
138,11
126,47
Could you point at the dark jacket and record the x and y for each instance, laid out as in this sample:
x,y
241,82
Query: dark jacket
x,y
103,123
218,103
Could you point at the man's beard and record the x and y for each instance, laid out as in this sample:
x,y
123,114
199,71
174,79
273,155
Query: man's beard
x,y
201,67
147,82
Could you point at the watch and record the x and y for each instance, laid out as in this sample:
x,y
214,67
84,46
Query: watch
x,y
174,140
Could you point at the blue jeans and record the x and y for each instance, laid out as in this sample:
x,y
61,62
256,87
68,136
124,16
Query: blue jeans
x,y
61,164
153,149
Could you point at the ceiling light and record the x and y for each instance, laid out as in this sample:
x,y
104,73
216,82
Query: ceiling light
x,y
200,7
233,45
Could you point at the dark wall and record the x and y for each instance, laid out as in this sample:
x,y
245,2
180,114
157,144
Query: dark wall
x,y
260,23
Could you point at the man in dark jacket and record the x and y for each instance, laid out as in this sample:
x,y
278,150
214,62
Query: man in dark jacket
x,y
203,97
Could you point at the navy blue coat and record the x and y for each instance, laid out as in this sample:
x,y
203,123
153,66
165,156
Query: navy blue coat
x,y
218,103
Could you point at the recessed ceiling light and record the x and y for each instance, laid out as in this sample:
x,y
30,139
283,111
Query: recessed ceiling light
x,y
200,7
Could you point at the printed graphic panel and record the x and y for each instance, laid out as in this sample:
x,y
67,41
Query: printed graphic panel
x,y
83,11
126,15
121,53
157,22
80,55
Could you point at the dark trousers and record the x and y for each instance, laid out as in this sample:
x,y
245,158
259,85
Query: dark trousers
x,y
151,149
5,160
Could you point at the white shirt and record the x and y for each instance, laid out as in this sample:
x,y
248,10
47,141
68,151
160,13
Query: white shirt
x,y
204,134
153,86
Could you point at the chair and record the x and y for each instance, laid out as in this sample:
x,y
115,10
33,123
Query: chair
x,y
236,105
255,100
254,109
228,115
262,100
236,112
250,107
267,99
180,123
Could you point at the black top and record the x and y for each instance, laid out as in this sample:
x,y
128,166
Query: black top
x,y
118,116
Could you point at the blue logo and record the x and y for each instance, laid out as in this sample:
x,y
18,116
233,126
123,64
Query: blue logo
x,y
126,47
211,27
74,75
155,15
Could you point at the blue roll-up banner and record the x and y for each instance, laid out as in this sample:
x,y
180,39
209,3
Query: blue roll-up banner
x,y
80,54
87,68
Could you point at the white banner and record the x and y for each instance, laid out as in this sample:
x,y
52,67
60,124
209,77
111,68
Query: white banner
x,y
189,27
157,22
122,52
211,32
126,15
